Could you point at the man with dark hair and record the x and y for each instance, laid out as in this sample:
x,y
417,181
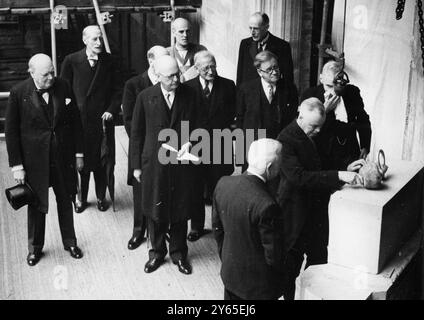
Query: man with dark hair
x,y
44,144
268,102
216,111
90,72
261,39
131,90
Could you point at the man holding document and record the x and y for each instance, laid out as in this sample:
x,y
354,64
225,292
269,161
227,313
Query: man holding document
x,y
167,186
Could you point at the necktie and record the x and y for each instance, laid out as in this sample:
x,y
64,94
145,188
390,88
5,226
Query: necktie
x,y
92,62
270,93
168,100
206,90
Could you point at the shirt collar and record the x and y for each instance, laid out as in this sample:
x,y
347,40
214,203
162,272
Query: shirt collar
x,y
266,85
165,92
91,55
203,83
264,40
255,174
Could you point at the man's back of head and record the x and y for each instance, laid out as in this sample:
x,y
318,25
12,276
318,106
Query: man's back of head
x,y
263,158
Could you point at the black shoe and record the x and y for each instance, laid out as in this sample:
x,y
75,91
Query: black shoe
x,y
80,206
194,235
33,258
152,265
135,242
101,205
183,266
75,252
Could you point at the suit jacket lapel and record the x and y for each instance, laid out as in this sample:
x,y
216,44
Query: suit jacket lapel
x,y
176,107
34,99
56,104
216,90
158,101
253,49
97,75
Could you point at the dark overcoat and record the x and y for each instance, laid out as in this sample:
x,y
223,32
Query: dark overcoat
x,y
248,50
31,140
131,90
167,189
248,228
95,93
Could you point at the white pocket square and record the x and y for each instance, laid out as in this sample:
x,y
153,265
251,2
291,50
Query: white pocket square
x,y
67,101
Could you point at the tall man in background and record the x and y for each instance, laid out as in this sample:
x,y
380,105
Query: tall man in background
x,y
261,39
90,72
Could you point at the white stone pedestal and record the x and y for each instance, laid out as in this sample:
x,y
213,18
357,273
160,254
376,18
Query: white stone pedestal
x,y
374,235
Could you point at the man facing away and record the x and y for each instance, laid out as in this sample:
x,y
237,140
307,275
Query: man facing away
x,y
248,228
44,144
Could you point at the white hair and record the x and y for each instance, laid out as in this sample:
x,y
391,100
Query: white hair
x,y
262,153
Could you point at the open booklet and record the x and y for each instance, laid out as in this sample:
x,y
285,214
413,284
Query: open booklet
x,y
186,156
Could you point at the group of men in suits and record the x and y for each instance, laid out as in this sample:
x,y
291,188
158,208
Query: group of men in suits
x,y
278,206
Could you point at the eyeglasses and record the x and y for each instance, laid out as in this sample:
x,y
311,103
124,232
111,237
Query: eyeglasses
x,y
208,68
269,71
171,76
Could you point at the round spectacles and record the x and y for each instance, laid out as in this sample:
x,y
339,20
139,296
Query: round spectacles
x,y
269,71
208,68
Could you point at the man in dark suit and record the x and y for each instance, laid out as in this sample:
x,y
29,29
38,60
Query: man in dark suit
x,y
131,90
90,72
217,111
167,187
183,50
261,39
268,102
337,142
304,188
44,144
248,228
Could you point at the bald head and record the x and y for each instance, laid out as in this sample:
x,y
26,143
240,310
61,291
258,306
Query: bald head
x,y
154,53
169,74
311,116
41,69
93,40
181,31
263,158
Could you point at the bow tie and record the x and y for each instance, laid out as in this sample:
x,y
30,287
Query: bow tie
x,y
43,91
93,57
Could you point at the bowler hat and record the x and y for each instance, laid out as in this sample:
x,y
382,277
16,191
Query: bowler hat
x,y
20,195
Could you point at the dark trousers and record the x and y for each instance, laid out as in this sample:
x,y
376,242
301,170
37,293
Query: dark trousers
x,y
139,219
177,243
228,295
99,180
207,177
37,219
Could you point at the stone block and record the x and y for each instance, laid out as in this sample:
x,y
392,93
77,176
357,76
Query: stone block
x,y
368,227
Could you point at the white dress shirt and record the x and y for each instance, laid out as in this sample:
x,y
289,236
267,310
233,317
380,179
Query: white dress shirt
x,y
171,96
266,86
340,110
92,58
203,83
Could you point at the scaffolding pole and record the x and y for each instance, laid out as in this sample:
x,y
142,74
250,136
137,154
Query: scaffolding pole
x,y
101,25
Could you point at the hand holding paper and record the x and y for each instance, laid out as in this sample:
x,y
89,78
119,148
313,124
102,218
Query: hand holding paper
x,y
184,153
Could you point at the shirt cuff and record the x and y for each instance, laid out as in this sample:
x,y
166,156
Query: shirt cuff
x,y
17,168
79,155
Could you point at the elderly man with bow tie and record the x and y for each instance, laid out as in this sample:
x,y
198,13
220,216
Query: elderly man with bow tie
x,y
44,145
90,72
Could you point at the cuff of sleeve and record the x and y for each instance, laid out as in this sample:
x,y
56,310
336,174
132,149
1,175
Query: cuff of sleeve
x,y
79,155
17,168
